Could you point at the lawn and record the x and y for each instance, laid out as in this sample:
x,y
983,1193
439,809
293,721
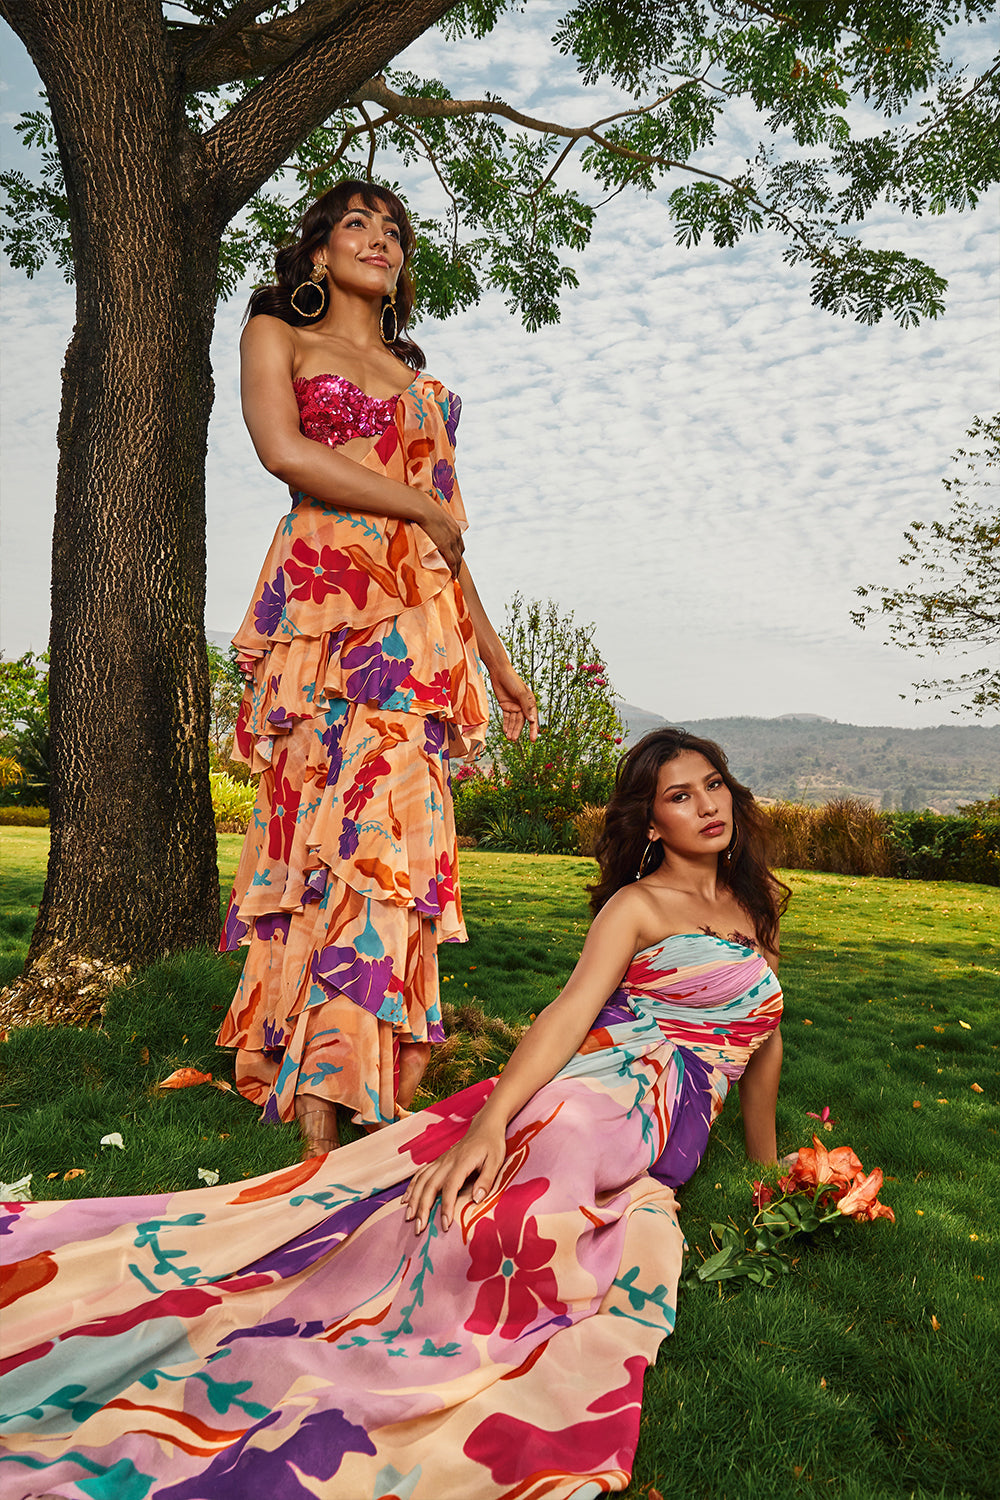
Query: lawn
x,y
868,1372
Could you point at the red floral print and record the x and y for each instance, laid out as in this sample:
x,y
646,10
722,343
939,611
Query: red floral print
x,y
512,1260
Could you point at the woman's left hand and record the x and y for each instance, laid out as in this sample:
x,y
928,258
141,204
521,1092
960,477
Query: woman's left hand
x,y
516,700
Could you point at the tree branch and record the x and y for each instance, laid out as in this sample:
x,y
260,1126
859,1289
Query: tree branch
x,y
253,140
210,57
377,91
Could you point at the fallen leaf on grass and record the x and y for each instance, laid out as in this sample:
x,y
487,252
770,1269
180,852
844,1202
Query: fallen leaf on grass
x,y
144,1055
207,1176
935,1324
220,1083
975,1088
939,1028
965,1025
917,1104
942,1101
74,1172
183,1078
114,1139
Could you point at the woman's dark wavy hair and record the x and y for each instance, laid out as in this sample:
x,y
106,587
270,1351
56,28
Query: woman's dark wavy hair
x,y
622,844
294,260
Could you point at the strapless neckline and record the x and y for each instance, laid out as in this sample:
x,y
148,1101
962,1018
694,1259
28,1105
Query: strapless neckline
x,y
343,380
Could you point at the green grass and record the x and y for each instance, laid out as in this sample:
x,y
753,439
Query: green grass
x,y
836,1381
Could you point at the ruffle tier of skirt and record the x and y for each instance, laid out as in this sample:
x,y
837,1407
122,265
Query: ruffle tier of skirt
x,y
345,888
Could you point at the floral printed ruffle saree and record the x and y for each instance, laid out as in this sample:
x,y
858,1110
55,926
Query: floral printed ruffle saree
x,y
365,682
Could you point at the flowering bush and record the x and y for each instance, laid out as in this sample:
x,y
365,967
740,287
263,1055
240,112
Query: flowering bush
x,y
820,1188
573,761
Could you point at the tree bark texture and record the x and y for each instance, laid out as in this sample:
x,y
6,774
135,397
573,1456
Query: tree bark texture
x,y
132,870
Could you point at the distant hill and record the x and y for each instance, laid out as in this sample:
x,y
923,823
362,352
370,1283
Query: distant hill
x,y
807,758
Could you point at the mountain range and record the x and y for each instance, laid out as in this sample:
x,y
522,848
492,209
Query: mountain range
x,y
807,758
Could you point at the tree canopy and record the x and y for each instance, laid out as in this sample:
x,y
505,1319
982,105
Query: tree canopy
x,y
858,106
954,605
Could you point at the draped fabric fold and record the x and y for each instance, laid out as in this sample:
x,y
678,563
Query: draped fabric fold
x,y
291,1336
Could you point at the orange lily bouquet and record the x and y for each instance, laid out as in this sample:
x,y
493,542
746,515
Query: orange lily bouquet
x,y
820,1187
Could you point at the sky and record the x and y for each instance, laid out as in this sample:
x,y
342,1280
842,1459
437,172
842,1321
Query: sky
x,y
695,459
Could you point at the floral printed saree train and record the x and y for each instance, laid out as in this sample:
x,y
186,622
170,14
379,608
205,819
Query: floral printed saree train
x,y
292,1336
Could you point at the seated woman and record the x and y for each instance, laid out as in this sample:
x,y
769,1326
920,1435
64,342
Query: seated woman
x,y
462,1305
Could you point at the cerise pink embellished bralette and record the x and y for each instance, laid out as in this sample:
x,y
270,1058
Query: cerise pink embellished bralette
x,y
333,410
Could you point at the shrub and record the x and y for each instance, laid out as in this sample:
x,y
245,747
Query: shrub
x,y
790,841
849,838
573,760
588,823
931,846
24,817
520,833
232,802
479,799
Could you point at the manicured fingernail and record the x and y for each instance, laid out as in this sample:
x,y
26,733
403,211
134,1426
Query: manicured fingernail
x,y
479,1194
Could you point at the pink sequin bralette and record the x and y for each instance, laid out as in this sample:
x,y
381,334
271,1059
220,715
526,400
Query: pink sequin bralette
x,y
333,410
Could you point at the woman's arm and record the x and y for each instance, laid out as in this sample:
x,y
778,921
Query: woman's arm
x,y
267,354
759,1097
516,700
542,1051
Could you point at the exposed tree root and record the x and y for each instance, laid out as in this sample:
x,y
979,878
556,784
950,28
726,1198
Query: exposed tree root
x,y
60,989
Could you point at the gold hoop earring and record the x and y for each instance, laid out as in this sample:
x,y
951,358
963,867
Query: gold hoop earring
x,y
645,856
315,283
389,306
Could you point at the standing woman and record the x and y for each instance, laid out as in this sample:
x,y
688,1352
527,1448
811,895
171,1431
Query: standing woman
x,y
365,646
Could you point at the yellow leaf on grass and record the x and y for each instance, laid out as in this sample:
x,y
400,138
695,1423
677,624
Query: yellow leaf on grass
x,y
74,1172
975,1088
935,1324
965,1025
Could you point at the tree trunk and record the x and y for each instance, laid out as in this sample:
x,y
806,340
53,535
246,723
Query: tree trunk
x,y
132,871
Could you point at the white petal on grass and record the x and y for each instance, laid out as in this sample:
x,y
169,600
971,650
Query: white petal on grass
x,y
208,1177
16,1192
114,1139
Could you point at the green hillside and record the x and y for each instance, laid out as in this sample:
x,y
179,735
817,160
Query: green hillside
x,y
806,758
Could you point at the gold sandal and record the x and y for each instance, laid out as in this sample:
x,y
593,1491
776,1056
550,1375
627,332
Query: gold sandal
x,y
317,1142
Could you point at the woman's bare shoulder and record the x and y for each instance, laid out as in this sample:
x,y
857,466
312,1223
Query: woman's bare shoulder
x,y
651,912
266,334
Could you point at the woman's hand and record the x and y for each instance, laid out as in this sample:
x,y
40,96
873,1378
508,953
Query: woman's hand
x,y
445,532
480,1154
516,700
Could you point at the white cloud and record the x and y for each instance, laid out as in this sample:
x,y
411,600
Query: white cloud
x,y
694,458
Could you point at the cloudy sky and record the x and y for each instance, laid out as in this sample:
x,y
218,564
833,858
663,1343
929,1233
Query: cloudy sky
x,y
695,459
